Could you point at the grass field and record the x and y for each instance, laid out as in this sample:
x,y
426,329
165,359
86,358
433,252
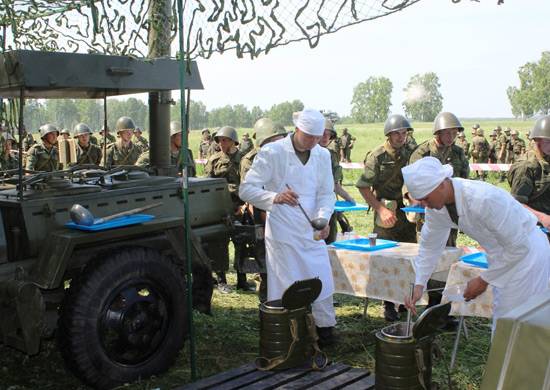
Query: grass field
x,y
229,337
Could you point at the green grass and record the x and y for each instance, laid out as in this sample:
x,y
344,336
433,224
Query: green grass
x,y
229,338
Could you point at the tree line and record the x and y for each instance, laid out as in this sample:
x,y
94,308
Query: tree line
x,y
66,113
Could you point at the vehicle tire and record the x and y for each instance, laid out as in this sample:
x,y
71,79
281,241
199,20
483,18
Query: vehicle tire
x,y
124,318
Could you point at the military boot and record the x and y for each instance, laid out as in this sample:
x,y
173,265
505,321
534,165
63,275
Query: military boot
x,y
242,284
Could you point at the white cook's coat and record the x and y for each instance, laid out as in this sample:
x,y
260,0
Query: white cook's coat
x,y
291,252
518,252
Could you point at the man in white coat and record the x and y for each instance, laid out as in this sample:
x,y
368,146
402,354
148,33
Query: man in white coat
x,y
284,173
518,252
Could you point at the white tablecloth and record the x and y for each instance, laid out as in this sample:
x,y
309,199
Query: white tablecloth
x,y
384,274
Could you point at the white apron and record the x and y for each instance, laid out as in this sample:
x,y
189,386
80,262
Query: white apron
x,y
291,252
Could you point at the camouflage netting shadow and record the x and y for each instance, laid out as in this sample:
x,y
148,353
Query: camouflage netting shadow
x,y
250,27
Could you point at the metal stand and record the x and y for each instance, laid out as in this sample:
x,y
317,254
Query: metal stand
x,y
461,327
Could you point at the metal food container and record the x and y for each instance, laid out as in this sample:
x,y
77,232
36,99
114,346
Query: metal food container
x,y
405,361
287,328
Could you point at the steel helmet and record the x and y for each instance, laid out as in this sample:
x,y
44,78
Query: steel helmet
x,y
476,126
265,129
124,123
175,128
137,130
494,133
461,134
229,132
65,131
205,130
47,129
498,128
507,130
396,122
446,120
329,125
103,129
80,129
480,132
514,132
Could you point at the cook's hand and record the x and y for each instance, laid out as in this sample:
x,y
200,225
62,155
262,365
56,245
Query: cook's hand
x,y
410,303
286,197
323,234
474,288
350,199
387,216
545,221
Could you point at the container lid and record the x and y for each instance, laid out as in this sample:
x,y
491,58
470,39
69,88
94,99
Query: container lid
x,y
431,320
301,293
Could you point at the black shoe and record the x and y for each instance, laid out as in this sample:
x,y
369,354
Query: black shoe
x,y
242,284
326,336
390,314
224,288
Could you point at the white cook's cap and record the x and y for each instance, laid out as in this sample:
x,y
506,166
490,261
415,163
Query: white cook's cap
x,y
310,121
423,176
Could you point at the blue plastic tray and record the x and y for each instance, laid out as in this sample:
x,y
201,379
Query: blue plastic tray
x,y
412,209
476,259
544,229
362,244
342,205
115,223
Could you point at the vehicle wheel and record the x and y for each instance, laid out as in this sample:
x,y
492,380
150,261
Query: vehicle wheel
x,y
124,318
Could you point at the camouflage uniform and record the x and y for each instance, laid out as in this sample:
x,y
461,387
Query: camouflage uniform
x,y
383,174
118,155
464,145
411,142
530,182
346,142
110,139
93,140
247,160
39,158
8,161
245,146
204,147
480,153
493,150
141,142
213,149
226,166
91,155
144,160
28,142
517,148
338,177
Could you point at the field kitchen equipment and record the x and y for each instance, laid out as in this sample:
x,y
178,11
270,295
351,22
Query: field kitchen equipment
x,y
288,337
520,352
405,361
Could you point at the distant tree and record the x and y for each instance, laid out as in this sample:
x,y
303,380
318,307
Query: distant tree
x,y
198,116
282,112
533,94
90,112
242,116
222,116
332,115
372,100
255,114
35,115
423,100
62,112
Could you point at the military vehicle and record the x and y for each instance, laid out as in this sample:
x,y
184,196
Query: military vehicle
x,y
114,299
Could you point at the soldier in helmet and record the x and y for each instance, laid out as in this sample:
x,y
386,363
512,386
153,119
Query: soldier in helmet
x,y
509,152
327,141
140,140
110,138
205,143
175,152
463,143
44,156
65,133
493,148
480,152
226,164
517,146
501,149
8,159
474,130
86,152
346,142
265,132
28,140
411,143
530,179
381,186
246,144
124,151
442,147
214,146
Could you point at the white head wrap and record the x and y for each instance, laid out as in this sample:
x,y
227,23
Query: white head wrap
x,y
423,176
310,121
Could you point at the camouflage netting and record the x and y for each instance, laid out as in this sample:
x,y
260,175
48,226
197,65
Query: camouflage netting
x,y
250,27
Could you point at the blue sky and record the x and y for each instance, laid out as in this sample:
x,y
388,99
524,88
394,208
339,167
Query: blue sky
x,y
475,48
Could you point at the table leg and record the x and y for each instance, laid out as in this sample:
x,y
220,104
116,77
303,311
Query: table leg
x,y
365,315
457,339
